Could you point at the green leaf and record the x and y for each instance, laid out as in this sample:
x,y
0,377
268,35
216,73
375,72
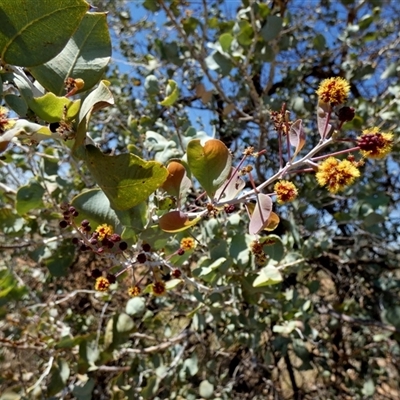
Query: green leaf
x,y
99,98
29,197
32,34
172,93
151,85
85,56
84,392
272,28
136,306
17,104
268,276
225,41
206,389
59,377
124,323
94,206
210,164
51,108
245,35
274,247
126,179
319,42
61,259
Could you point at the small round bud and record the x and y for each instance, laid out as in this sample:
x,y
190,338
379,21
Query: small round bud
x,y
141,258
84,248
100,250
181,252
229,208
75,214
346,114
123,246
85,223
63,224
96,273
93,241
72,209
176,273
146,247
111,278
75,240
87,228
115,237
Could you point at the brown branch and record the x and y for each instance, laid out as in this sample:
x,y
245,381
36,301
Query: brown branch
x,y
356,321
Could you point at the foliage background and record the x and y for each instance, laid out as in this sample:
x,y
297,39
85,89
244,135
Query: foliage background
x,y
329,330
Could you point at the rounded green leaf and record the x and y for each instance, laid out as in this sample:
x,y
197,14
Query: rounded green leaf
x,y
210,164
172,93
85,56
29,197
126,179
269,275
32,33
136,306
94,206
225,41
272,28
51,108
206,389
151,85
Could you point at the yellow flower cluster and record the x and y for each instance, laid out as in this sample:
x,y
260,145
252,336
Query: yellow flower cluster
x,y
104,230
188,243
336,175
334,91
375,144
285,191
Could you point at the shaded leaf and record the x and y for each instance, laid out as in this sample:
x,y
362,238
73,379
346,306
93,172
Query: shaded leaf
x,y
272,28
176,174
85,56
126,179
29,197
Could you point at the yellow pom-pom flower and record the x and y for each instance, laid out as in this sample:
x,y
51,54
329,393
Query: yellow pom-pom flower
x,y
102,284
336,175
134,291
188,243
104,230
375,144
334,91
285,191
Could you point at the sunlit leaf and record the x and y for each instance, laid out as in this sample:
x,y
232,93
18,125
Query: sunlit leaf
x,y
210,164
32,34
269,275
172,93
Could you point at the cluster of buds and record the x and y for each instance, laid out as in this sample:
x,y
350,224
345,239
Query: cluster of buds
x,y
260,258
153,276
